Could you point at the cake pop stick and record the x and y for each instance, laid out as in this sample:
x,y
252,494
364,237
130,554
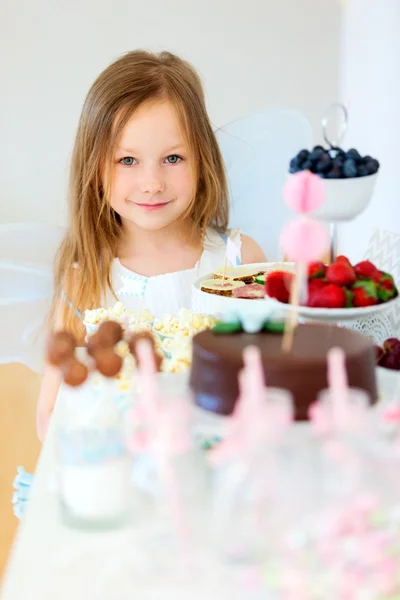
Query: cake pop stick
x,y
232,255
339,388
303,240
138,313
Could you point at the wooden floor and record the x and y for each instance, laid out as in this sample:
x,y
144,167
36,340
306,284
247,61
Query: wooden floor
x,y
19,388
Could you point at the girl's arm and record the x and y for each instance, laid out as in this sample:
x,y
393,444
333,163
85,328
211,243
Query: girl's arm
x,y
251,251
51,382
47,398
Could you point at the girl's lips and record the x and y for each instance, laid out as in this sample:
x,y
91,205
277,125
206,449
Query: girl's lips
x,y
151,207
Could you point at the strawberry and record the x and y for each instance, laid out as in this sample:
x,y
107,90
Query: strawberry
x,y
278,284
343,259
366,270
313,286
340,273
316,284
349,297
328,296
386,287
316,269
365,293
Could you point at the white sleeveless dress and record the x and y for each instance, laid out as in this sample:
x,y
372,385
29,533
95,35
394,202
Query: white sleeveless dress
x,y
170,292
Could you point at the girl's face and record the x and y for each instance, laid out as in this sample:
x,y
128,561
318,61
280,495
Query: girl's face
x,y
153,175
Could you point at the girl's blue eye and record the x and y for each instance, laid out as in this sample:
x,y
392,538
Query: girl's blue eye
x,y
173,159
128,161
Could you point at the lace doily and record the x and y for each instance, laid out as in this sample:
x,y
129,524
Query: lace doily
x,y
379,328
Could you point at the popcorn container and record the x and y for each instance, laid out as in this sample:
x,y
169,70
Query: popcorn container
x,y
94,465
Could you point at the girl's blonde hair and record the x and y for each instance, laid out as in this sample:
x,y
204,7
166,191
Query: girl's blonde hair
x,y
94,230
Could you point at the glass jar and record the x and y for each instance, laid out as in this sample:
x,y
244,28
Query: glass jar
x,y
94,464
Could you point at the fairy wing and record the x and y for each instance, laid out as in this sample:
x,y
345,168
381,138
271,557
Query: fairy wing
x,y
27,252
257,150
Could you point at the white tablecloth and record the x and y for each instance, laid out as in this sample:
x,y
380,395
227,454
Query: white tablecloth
x,y
50,561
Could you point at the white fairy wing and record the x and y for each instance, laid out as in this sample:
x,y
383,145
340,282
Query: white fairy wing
x,y
26,288
257,150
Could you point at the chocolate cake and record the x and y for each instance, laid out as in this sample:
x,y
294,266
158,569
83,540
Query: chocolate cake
x,y
217,360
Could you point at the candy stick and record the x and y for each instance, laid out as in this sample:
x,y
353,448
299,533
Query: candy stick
x,y
138,313
224,271
292,316
338,385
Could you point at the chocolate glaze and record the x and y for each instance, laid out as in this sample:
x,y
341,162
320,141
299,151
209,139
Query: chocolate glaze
x,y
217,360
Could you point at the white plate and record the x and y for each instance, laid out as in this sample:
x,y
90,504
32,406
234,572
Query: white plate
x,y
343,314
213,304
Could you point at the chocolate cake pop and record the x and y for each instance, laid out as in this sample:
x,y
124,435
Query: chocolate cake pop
x,y
108,363
110,332
61,347
145,335
96,343
74,372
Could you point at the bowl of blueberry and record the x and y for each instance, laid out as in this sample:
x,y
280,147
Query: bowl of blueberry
x,y
349,180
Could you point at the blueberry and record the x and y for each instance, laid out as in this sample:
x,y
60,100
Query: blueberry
x,y
334,152
335,172
362,171
302,156
315,155
350,168
307,165
319,148
294,165
324,163
354,154
372,166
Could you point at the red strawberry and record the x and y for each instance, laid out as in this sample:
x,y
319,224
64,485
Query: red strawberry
x,y
365,293
341,273
316,284
328,296
366,270
343,259
386,287
313,286
349,297
316,269
278,284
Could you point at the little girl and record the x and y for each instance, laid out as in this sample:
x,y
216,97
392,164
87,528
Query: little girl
x,y
148,199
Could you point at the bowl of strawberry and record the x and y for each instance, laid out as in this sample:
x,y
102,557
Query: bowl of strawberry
x,y
338,292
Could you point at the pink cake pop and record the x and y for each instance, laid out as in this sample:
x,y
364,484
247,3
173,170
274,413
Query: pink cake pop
x,y
304,240
304,192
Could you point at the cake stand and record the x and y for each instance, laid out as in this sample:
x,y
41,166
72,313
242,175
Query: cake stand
x,y
345,199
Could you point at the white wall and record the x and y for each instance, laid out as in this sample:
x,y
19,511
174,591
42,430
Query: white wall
x,y
371,82
252,54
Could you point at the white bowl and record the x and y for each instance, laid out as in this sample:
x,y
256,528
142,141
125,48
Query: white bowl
x,y
345,199
264,308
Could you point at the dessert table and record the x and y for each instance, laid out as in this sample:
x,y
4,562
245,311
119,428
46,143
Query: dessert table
x,y
50,560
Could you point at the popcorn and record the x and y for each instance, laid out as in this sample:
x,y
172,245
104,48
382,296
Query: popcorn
x,y
122,316
173,337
